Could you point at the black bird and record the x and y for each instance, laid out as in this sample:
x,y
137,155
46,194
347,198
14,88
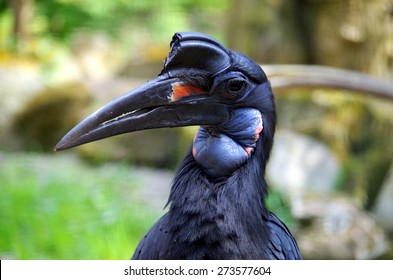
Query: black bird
x,y
216,204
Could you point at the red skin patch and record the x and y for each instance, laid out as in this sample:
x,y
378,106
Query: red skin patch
x,y
181,90
249,150
259,129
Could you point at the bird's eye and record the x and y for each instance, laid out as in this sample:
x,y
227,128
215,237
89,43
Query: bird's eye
x,y
235,85
231,88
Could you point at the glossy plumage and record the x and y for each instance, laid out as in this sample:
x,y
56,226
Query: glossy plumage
x,y
226,220
216,205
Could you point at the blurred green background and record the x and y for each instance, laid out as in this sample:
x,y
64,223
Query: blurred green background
x,y
62,59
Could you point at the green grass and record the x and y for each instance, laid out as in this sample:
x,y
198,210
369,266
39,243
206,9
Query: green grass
x,y
55,207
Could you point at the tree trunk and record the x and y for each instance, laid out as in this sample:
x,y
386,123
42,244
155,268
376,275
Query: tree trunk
x,y
22,11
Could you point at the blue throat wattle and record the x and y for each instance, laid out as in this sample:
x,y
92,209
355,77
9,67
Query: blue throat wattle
x,y
220,150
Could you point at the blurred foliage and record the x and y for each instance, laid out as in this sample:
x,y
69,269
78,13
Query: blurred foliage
x,y
63,17
60,35
359,131
59,208
340,33
278,203
159,148
50,114
48,205
354,34
59,19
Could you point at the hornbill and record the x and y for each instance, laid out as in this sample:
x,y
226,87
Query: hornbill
x,y
216,203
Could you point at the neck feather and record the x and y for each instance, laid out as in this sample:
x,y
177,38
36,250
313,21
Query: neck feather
x,y
213,220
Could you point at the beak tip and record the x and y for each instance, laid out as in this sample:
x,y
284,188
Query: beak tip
x,y
58,147
62,145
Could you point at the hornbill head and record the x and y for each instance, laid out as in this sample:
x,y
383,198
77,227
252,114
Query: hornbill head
x,y
201,83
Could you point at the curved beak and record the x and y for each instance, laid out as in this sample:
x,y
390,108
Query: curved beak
x,y
162,102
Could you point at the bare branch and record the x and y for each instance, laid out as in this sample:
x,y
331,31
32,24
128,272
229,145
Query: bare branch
x,y
285,77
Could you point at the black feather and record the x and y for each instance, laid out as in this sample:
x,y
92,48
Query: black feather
x,y
218,220
221,217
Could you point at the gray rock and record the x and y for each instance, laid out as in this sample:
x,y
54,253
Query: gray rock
x,y
383,208
301,163
339,229
17,84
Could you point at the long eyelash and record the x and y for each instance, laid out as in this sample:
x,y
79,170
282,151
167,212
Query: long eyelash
x,y
199,81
